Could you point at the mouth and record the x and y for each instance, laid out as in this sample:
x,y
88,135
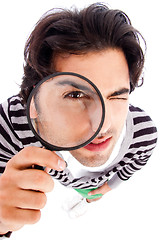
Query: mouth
x,y
98,145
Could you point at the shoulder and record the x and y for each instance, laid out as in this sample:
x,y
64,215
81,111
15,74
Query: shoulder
x,y
139,115
141,119
13,120
12,110
144,129
13,103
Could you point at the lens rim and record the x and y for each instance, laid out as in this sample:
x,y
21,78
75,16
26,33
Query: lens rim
x,y
45,143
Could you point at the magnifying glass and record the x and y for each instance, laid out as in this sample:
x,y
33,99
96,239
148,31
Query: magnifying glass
x,y
65,111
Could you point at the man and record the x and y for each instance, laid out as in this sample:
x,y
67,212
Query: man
x,y
102,45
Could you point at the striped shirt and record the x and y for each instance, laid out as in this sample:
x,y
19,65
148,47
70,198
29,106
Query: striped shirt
x,y
137,146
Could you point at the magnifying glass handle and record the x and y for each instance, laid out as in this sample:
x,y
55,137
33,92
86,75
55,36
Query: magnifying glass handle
x,y
38,167
46,169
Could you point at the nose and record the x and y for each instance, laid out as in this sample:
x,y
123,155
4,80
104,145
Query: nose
x,y
107,120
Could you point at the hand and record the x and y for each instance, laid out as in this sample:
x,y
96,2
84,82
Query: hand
x,y
101,190
23,188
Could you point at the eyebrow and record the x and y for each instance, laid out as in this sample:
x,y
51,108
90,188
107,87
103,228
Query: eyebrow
x,y
75,85
119,92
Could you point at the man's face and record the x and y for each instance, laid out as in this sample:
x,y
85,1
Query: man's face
x,y
108,70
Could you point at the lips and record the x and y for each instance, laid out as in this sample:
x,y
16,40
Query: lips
x,y
98,145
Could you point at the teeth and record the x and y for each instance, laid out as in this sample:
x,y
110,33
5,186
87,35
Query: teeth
x,y
96,143
99,142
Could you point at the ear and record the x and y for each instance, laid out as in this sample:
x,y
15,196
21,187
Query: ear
x,y
33,111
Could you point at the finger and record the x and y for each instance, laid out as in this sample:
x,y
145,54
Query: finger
x,y
13,216
93,200
27,199
101,190
33,179
37,156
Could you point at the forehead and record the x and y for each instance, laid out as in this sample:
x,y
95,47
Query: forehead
x,y
107,69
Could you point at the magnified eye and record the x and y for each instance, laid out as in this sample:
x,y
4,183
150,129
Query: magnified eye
x,y
76,95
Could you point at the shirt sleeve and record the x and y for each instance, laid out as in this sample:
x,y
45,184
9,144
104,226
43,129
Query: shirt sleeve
x,y
126,172
5,236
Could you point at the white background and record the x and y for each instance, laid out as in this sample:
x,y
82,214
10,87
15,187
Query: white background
x,y
132,211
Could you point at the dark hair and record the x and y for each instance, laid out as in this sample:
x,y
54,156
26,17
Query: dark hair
x,y
94,28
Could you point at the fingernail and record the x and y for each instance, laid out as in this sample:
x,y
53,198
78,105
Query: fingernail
x,y
61,164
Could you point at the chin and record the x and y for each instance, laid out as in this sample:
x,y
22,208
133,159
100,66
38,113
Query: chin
x,y
92,159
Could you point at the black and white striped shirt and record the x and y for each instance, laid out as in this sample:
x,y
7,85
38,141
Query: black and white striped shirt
x,y
137,146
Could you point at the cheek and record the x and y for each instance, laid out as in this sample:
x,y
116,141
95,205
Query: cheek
x,y
119,113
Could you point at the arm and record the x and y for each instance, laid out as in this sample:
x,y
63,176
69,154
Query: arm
x,y
119,177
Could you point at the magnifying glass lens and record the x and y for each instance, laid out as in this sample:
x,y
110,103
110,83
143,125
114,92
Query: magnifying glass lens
x,y
65,111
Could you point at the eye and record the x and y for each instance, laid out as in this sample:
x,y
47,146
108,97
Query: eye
x,y
76,95
119,98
